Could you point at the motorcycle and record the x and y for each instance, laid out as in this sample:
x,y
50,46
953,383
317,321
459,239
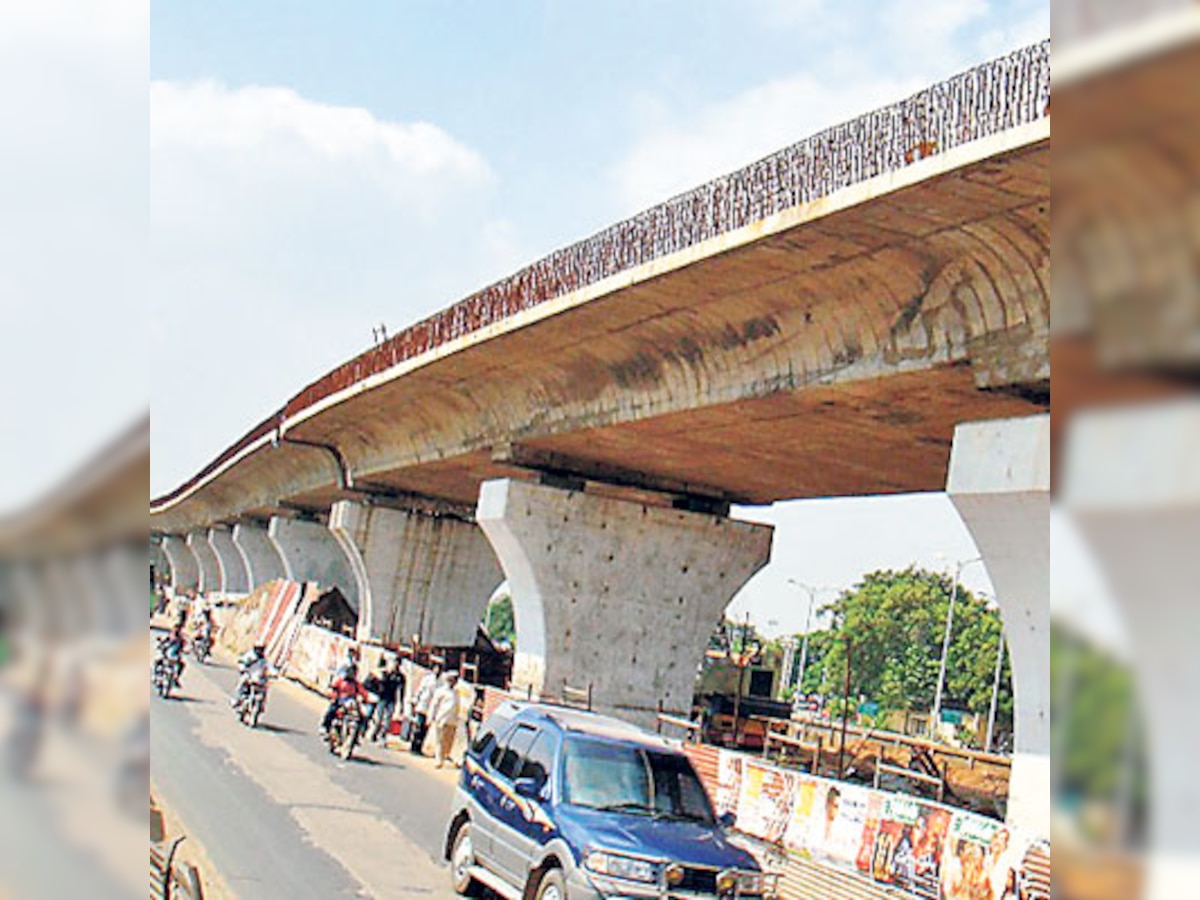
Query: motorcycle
x,y
202,647
252,703
167,671
346,729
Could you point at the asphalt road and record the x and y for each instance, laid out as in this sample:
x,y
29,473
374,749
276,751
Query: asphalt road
x,y
278,816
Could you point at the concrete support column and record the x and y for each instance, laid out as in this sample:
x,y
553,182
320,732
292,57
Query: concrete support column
x,y
185,570
210,569
615,595
417,574
125,567
230,562
311,553
1132,486
1000,484
158,559
262,561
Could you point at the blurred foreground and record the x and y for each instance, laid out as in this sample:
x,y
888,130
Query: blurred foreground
x,y
74,725
1126,417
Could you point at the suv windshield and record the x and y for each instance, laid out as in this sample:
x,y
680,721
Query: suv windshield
x,y
625,778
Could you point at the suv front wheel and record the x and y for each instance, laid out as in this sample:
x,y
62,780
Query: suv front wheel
x,y
552,886
462,858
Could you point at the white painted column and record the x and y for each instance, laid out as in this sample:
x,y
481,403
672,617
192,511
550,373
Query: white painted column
x,y
311,553
233,568
417,574
1000,484
262,561
185,570
210,569
1132,486
616,595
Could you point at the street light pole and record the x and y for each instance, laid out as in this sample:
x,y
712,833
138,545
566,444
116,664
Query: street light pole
x,y
995,692
936,717
812,600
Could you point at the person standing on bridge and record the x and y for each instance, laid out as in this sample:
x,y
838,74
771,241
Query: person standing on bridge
x,y
444,716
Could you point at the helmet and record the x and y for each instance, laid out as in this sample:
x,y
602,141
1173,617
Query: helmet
x,y
259,649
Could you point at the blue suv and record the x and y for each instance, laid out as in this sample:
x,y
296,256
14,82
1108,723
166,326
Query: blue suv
x,y
559,804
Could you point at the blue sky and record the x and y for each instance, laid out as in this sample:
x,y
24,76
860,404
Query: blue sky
x,y
316,169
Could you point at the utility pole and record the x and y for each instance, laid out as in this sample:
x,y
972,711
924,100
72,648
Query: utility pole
x,y
812,596
741,661
995,692
845,707
936,716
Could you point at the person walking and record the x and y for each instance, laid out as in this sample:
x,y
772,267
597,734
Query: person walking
x,y
391,686
444,717
421,702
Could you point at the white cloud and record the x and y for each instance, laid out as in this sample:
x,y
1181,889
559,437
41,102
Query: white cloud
x,y
674,157
279,124
285,229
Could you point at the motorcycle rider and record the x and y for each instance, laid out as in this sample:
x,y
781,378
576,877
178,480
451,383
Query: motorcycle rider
x,y
254,668
170,650
203,633
344,690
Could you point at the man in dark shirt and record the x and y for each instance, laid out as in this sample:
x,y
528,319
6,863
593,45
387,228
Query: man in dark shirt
x,y
390,687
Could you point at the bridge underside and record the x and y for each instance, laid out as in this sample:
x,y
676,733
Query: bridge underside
x,y
875,437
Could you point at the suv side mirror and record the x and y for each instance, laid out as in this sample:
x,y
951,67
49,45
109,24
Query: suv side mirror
x,y
527,787
727,820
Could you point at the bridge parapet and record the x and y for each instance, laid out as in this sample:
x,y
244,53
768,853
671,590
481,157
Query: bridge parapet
x,y
989,99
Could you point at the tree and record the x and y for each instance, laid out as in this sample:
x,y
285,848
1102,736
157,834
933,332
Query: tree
x,y
894,623
498,620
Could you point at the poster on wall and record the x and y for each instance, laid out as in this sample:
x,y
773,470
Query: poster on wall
x,y
980,861
729,782
915,847
765,805
908,845
828,821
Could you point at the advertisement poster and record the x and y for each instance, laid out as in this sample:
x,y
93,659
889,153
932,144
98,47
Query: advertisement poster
x,y
980,863
828,821
765,804
914,846
729,782
908,845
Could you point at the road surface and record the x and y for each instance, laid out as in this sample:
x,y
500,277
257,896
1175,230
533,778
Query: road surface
x,y
278,816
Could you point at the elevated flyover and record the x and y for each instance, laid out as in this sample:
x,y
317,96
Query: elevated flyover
x,y
814,325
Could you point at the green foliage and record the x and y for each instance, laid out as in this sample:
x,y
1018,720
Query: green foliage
x,y
498,621
1096,729
893,623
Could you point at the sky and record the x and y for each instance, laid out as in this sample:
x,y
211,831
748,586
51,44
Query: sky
x,y
317,169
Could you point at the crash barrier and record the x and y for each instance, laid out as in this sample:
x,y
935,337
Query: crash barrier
x,y
170,880
843,840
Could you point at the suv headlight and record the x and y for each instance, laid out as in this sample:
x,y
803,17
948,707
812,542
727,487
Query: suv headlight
x,y
750,883
735,883
616,866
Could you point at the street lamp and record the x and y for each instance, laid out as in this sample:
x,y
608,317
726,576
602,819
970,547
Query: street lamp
x,y
812,595
936,717
995,690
